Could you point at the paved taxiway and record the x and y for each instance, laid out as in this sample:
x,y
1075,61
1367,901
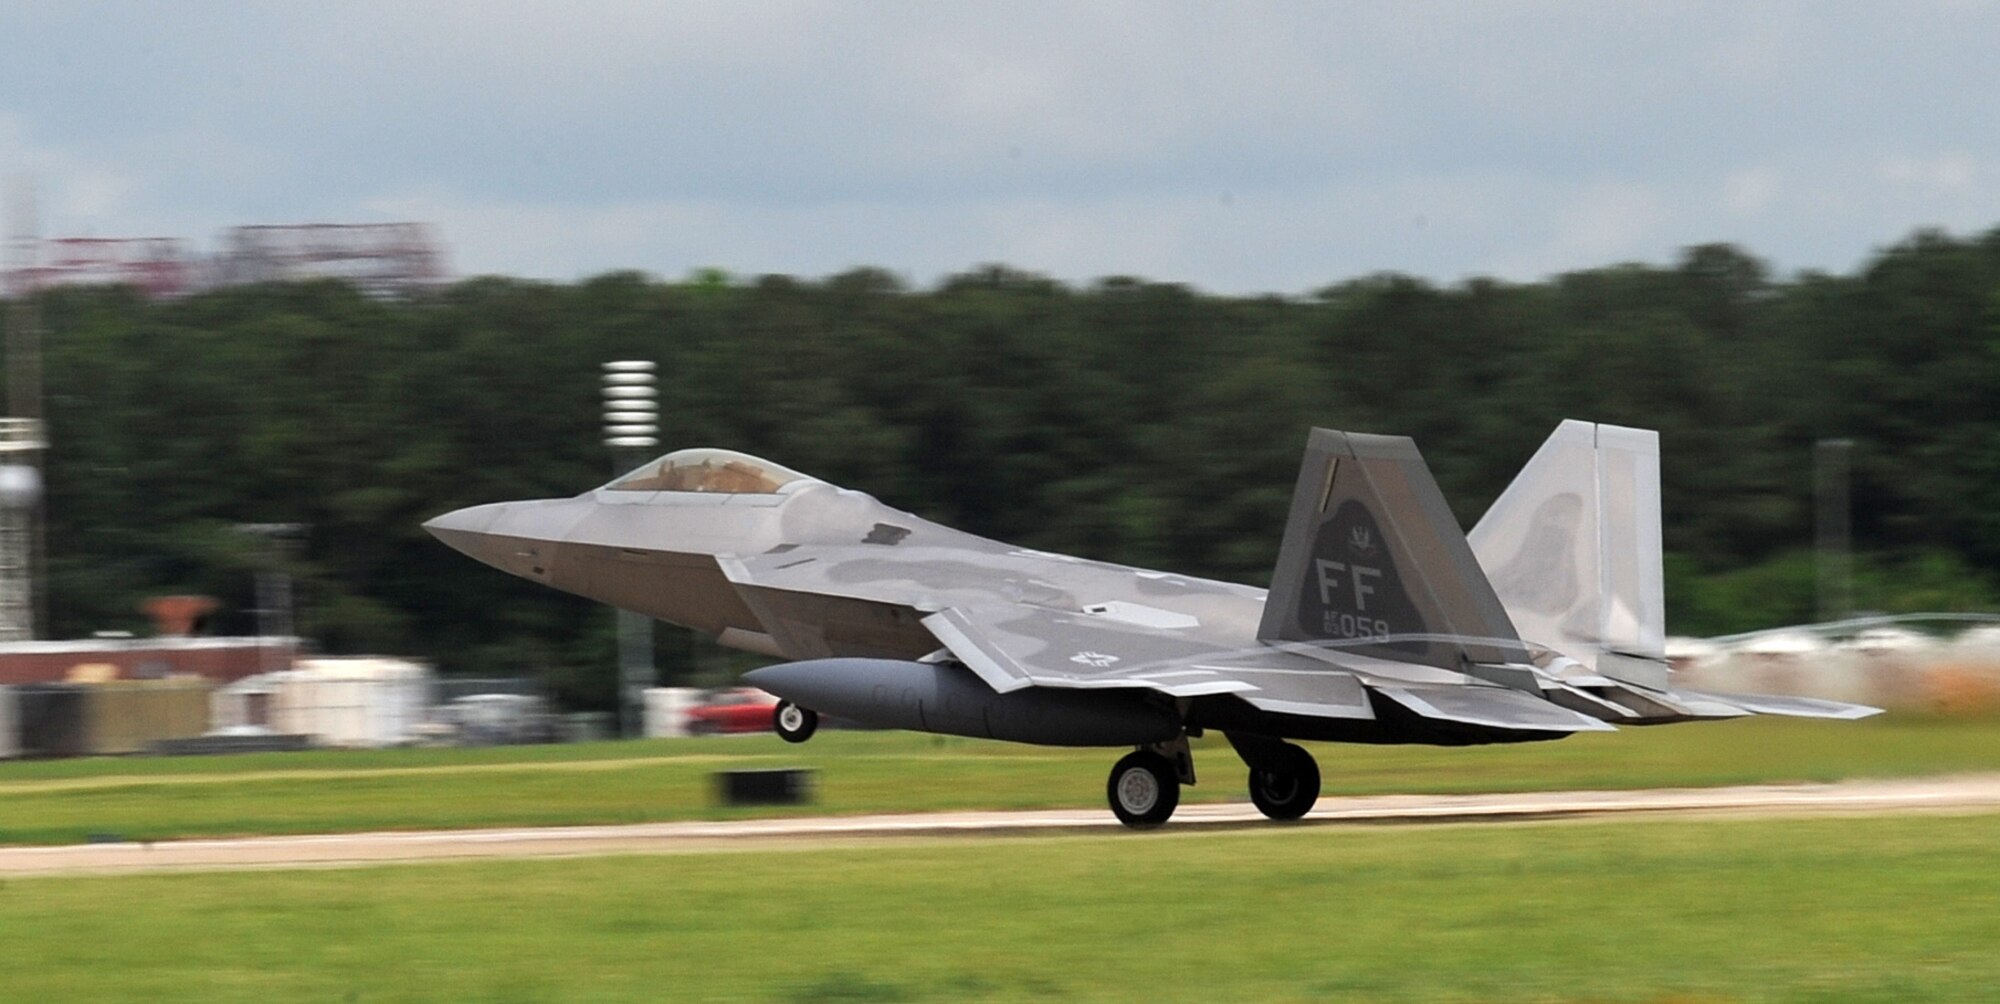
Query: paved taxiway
x,y
1979,793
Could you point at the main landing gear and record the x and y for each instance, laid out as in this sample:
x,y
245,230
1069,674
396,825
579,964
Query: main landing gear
x,y
1145,786
1143,790
1289,789
1284,779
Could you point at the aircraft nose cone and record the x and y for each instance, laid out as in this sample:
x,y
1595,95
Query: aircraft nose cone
x,y
464,530
522,538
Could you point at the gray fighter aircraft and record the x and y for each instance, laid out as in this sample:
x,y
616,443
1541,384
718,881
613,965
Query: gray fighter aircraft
x,y
1384,622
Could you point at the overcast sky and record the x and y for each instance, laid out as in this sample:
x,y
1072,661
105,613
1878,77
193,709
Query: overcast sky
x,y
1236,147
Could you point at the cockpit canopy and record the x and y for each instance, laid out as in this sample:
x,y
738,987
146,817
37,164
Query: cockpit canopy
x,y
722,472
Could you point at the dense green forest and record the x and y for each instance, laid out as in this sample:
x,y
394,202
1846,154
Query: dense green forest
x,y
1129,420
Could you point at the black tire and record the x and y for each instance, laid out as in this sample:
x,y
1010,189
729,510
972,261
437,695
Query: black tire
x,y
1143,790
703,727
1288,788
793,723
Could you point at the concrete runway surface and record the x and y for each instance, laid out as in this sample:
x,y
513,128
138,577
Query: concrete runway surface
x,y
1966,794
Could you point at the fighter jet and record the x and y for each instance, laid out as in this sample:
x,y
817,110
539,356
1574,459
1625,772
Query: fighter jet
x,y
1384,622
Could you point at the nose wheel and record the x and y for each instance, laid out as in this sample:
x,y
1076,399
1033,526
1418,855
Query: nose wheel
x,y
1143,790
793,723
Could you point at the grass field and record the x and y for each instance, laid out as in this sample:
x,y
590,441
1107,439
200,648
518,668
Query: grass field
x,y
159,798
1819,911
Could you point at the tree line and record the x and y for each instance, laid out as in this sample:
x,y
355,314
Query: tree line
x,y
1135,421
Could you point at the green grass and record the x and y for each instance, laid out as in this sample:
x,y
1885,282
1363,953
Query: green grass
x,y
161,798
1811,911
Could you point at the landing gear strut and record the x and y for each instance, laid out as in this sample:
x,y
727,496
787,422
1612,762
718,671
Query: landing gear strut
x,y
793,723
1144,789
1284,779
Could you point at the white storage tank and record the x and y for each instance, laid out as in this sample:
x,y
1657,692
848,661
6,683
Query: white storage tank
x,y
667,710
363,701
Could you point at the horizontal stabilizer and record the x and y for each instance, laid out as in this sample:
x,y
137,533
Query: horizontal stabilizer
x,y
1490,707
1792,707
1585,702
1656,707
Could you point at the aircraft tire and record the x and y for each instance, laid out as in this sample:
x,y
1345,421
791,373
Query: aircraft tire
x,y
1288,790
793,723
1143,790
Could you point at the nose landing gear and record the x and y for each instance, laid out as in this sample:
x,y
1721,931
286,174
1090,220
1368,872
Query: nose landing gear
x,y
793,723
1287,791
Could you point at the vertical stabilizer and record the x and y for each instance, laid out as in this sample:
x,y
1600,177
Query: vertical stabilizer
x,y
1373,561
1573,549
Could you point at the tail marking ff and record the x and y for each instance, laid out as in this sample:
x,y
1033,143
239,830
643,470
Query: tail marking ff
x,y
1372,558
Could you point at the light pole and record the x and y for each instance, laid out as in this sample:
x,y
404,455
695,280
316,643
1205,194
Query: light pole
x,y
23,437
20,500
276,611
631,431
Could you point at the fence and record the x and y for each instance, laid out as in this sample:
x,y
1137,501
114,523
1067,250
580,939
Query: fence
x,y
340,703
83,719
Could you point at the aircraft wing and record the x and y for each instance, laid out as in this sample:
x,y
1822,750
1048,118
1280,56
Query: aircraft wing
x,y
1015,647
1383,609
980,619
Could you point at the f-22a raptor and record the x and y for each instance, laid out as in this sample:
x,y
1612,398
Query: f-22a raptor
x,y
1384,622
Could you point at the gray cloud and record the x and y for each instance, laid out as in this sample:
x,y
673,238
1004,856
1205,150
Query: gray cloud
x,y
1247,147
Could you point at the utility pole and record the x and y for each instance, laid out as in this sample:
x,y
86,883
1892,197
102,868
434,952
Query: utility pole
x,y
276,612
631,431
22,439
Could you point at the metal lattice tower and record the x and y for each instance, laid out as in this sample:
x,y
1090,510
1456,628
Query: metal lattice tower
x,y
21,436
159,267
380,259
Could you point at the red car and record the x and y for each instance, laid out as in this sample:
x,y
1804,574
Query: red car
x,y
734,709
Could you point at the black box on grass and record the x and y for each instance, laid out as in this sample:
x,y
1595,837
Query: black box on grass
x,y
778,786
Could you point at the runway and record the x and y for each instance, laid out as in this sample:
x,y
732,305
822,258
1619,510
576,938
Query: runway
x,y
1968,794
